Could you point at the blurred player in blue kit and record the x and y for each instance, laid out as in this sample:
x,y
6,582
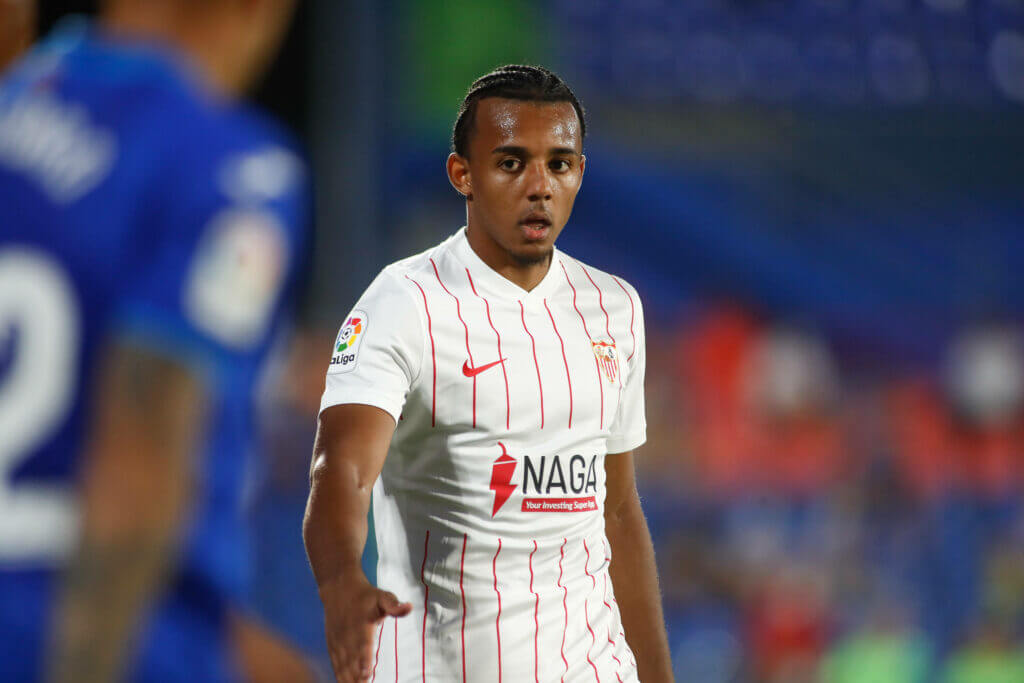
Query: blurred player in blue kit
x,y
149,232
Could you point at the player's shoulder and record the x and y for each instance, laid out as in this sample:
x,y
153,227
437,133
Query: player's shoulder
x,y
405,283
414,269
174,112
164,122
249,157
256,160
602,279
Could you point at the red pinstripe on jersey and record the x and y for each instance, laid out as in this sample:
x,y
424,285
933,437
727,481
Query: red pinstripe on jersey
x,y
433,354
497,620
533,346
396,650
426,601
568,379
608,558
458,312
376,657
504,372
536,623
600,302
604,599
607,319
586,615
565,606
462,590
632,659
632,313
597,365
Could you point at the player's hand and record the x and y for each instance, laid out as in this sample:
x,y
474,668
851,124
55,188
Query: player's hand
x,y
352,613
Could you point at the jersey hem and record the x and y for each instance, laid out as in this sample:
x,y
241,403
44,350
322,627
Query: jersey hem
x,y
627,443
361,397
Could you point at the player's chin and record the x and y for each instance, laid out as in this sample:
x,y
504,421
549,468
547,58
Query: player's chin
x,y
533,253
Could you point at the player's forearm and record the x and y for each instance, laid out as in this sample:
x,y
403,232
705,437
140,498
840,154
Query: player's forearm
x,y
335,525
107,587
635,581
135,490
351,444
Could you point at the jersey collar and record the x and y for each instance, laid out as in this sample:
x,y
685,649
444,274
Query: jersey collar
x,y
497,284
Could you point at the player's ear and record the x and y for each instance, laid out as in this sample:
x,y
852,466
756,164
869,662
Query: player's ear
x,y
459,176
583,167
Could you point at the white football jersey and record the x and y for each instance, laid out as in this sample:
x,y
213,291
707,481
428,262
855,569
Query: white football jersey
x,y
489,510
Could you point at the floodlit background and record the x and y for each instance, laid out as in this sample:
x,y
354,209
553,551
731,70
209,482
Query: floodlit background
x,y
821,203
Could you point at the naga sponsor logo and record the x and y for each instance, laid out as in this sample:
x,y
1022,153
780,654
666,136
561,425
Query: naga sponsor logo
x,y
569,478
344,357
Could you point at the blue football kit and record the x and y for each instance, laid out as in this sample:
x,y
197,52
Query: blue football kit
x,y
135,205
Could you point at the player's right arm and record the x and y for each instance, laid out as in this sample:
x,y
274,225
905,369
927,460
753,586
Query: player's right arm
x,y
377,357
351,443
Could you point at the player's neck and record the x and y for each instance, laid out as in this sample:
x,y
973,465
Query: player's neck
x,y
195,40
524,275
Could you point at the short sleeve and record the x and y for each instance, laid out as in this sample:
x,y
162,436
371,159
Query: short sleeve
x,y
220,258
629,428
379,349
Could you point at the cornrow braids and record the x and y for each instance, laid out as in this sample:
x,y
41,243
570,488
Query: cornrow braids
x,y
514,82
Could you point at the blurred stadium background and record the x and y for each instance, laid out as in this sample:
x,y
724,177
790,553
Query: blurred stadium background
x,y
821,203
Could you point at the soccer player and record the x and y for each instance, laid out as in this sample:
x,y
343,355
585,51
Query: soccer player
x,y
490,392
148,243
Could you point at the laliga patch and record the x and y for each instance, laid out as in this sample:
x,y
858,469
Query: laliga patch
x,y
348,343
607,359
236,275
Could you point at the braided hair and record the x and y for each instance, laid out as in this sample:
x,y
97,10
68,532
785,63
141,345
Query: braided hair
x,y
513,82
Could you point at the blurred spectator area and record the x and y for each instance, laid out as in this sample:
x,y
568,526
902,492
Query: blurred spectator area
x,y
818,519
840,52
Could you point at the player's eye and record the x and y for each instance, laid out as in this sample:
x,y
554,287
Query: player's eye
x,y
510,164
559,165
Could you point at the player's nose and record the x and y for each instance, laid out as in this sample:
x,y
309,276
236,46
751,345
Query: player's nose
x,y
538,181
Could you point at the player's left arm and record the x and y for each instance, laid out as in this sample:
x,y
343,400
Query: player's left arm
x,y
136,486
265,656
633,571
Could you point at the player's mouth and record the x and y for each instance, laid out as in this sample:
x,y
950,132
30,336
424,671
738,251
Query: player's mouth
x,y
536,226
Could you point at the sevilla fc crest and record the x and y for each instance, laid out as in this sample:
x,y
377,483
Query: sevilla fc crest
x,y
607,359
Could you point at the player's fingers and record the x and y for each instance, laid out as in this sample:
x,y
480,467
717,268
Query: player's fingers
x,y
347,667
390,606
366,658
339,666
347,670
358,650
356,670
364,652
334,652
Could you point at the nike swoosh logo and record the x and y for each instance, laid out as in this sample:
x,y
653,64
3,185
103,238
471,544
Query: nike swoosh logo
x,y
473,372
